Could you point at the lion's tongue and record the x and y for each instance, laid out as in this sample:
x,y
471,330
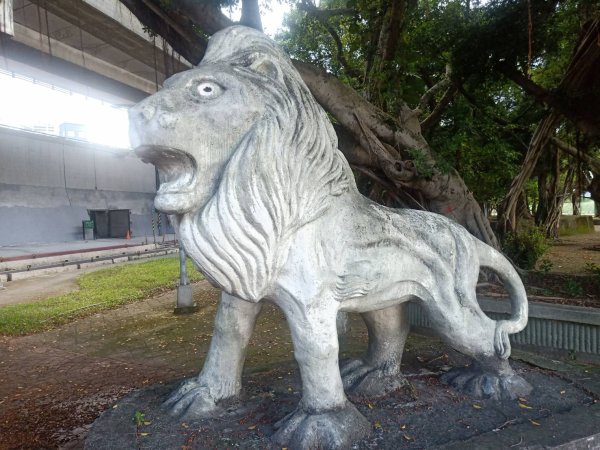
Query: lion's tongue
x,y
176,169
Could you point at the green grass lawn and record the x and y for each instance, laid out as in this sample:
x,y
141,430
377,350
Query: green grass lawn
x,y
104,289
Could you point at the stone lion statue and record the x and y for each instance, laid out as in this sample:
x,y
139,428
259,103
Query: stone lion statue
x,y
267,208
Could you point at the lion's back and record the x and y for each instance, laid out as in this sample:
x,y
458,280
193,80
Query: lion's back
x,y
408,239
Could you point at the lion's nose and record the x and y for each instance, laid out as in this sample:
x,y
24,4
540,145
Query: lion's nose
x,y
142,112
147,111
167,120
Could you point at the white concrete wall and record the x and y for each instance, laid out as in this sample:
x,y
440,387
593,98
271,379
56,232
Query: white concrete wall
x,y
48,184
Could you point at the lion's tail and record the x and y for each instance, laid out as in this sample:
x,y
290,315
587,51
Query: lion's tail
x,y
494,260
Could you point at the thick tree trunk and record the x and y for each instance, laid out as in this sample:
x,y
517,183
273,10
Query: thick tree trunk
x,y
392,142
251,14
374,140
508,220
577,97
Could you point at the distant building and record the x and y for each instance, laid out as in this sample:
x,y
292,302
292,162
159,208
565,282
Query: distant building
x,y
41,128
49,185
72,131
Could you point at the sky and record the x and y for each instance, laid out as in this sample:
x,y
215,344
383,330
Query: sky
x,y
272,13
26,104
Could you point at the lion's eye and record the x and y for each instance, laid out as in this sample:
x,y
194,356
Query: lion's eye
x,y
208,89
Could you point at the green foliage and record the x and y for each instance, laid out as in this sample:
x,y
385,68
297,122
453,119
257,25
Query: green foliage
x,y
484,132
100,290
526,247
420,161
593,268
479,149
545,265
574,288
139,418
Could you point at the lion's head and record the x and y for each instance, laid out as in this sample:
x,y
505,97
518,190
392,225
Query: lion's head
x,y
245,156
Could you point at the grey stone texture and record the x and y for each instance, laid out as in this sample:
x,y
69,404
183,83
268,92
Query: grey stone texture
x,y
426,415
267,207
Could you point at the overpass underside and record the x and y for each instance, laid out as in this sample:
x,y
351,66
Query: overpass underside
x,y
96,46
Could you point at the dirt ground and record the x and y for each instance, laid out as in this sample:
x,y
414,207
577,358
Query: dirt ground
x,y
53,385
571,254
563,273
44,286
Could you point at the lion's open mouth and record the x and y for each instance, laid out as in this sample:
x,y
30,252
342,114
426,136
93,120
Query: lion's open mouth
x,y
176,168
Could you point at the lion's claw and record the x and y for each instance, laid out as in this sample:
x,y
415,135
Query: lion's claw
x,y
363,380
335,429
191,400
481,384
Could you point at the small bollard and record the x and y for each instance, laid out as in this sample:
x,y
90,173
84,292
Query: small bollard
x,y
185,299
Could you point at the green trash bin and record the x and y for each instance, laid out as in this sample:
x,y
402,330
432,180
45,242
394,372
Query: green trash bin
x,y
88,229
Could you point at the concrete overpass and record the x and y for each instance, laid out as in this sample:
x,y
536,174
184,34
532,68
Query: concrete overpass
x,y
49,185
95,47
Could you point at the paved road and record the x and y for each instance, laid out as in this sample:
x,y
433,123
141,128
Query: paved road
x,y
44,286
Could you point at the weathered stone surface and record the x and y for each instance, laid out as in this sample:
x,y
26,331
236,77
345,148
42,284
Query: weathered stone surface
x,y
426,415
268,209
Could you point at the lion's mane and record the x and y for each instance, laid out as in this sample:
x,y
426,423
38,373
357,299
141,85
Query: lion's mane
x,y
282,176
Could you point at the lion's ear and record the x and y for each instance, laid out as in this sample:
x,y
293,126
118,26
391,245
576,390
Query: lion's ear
x,y
266,67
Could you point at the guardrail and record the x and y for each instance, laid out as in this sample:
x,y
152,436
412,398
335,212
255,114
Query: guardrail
x,y
76,264
561,327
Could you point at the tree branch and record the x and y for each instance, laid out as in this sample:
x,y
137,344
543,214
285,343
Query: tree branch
x,y
391,29
430,93
377,179
251,14
203,14
592,161
435,116
322,18
342,101
506,125
542,95
576,96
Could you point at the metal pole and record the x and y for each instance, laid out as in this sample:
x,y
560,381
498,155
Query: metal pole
x,y
185,298
183,279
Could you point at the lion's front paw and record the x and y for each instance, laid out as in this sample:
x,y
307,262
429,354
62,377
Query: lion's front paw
x,y
363,380
192,400
334,429
477,383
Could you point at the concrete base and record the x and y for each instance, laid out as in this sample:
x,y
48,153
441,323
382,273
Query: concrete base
x,y
185,310
185,300
425,414
570,225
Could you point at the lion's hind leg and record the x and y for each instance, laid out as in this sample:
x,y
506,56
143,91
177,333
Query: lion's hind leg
x,y
466,328
219,381
377,372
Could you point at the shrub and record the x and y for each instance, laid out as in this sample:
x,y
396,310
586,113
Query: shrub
x,y
525,247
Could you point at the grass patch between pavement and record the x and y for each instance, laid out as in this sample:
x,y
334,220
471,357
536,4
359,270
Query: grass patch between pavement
x,y
100,290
